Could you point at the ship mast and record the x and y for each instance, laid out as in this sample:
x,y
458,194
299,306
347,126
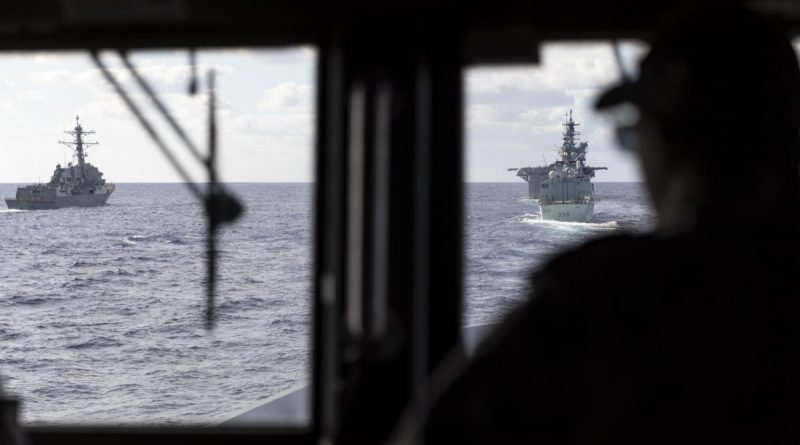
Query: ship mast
x,y
570,136
78,144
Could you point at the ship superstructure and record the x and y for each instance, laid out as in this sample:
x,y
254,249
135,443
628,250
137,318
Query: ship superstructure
x,y
80,185
564,188
534,177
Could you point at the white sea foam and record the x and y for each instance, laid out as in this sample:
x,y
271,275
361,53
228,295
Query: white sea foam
x,y
537,219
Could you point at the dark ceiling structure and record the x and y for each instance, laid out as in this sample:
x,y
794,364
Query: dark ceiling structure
x,y
81,24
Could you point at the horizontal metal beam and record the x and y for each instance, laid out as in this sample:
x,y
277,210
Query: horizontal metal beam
x,y
74,24
136,435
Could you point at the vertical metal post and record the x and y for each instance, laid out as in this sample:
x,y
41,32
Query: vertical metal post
x,y
329,256
388,277
446,200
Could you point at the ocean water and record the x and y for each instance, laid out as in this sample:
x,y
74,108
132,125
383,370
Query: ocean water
x,y
101,309
506,239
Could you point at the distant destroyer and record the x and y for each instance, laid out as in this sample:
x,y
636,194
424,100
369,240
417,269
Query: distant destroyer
x,y
564,188
79,185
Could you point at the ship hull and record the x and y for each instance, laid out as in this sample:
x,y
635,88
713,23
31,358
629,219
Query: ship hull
x,y
89,200
568,212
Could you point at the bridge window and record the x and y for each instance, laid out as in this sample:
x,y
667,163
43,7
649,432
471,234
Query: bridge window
x,y
516,120
114,331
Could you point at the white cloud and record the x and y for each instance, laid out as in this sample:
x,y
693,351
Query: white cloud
x,y
46,57
161,77
7,84
264,106
543,121
303,55
570,66
21,100
266,109
270,124
50,77
481,113
514,115
287,98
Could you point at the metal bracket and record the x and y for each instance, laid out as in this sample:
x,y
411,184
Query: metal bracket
x,y
221,207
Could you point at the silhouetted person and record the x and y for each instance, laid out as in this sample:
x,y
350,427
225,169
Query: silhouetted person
x,y
688,334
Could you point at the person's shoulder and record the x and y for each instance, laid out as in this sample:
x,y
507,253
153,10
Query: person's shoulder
x,y
599,263
606,250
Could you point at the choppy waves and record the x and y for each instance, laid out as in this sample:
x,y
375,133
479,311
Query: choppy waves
x,y
102,314
507,239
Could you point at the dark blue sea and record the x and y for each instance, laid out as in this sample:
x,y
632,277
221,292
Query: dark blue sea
x,y
101,309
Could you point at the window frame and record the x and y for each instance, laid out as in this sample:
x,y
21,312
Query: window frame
x,y
423,62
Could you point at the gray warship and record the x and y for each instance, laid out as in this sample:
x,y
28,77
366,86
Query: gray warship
x,y
80,185
563,188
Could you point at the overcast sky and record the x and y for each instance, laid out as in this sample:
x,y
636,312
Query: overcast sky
x,y
266,114
265,111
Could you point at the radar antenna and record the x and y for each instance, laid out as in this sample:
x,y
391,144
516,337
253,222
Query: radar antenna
x,y
78,144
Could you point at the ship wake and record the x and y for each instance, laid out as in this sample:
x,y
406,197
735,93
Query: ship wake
x,y
530,218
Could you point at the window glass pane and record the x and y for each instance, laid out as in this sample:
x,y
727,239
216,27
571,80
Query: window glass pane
x,y
515,120
103,308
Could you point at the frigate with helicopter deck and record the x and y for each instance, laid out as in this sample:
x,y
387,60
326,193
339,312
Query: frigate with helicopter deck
x,y
564,188
80,185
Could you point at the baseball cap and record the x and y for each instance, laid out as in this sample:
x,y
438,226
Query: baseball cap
x,y
713,57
